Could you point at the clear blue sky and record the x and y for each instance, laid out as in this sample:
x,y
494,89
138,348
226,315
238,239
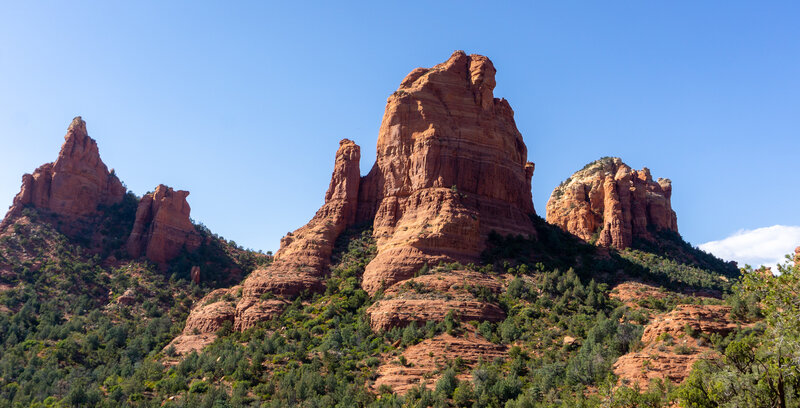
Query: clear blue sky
x,y
243,104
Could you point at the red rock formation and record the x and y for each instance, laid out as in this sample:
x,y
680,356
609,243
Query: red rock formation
x,y
399,312
207,317
669,351
701,318
432,297
162,227
609,203
74,185
630,293
451,167
430,356
304,256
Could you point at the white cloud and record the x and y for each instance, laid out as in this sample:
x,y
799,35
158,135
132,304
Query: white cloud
x,y
762,246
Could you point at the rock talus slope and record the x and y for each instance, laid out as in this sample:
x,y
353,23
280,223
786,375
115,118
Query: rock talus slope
x,y
74,185
162,226
610,204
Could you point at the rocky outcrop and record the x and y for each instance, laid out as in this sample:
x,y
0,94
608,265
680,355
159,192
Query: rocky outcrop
x,y
610,204
451,167
162,227
631,293
701,318
207,317
669,349
432,297
430,356
302,261
74,185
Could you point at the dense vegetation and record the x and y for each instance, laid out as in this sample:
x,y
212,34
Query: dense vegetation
x,y
76,330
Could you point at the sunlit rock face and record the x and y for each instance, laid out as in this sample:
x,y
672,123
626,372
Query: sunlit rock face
x,y
74,185
610,204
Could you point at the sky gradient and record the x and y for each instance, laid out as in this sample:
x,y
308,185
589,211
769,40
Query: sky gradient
x,y
243,105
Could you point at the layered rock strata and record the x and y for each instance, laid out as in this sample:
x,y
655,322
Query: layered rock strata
x,y
162,227
610,204
451,167
431,297
670,350
430,355
74,185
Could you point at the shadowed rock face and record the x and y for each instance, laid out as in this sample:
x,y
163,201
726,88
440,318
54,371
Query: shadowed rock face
x,y
451,167
162,227
74,185
609,203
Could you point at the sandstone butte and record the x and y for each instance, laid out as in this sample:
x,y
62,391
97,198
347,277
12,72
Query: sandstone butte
x,y
610,204
73,186
162,227
450,168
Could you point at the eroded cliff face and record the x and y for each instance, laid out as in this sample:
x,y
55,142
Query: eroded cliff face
x,y
74,185
162,227
303,259
451,167
610,204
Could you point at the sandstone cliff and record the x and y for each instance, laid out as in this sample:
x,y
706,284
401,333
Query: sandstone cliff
x,y
610,204
451,167
74,185
162,226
